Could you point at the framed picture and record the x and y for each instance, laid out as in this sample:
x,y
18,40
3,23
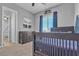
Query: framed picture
x,y
27,23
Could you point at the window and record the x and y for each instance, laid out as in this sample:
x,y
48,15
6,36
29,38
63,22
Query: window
x,y
47,23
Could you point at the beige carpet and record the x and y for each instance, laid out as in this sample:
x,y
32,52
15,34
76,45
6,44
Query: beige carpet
x,y
17,50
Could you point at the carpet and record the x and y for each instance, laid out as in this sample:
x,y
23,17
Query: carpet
x,y
17,50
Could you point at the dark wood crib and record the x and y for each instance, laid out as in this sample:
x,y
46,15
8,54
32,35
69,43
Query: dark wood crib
x,y
56,44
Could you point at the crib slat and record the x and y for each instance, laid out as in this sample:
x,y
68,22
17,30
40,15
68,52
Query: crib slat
x,y
77,48
57,46
43,45
73,49
50,46
68,53
60,47
54,47
63,47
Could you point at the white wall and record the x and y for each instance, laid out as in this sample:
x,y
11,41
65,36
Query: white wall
x,y
0,23
76,11
77,8
65,15
21,14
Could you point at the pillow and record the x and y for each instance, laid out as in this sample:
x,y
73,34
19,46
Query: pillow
x,y
76,30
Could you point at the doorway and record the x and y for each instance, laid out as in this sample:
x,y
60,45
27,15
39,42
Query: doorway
x,y
9,26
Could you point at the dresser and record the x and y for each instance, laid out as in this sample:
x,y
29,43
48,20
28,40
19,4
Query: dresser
x,y
25,37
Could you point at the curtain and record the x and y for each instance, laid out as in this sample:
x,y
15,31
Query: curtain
x,y
55,19
41,23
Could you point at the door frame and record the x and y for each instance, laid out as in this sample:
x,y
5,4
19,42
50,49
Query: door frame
x,y
16,24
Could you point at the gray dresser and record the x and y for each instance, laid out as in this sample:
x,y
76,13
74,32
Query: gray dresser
x,y
25,37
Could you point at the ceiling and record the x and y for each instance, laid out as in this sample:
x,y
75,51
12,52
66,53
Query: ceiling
x,y
38,6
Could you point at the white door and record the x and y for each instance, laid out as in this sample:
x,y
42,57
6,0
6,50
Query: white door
x,y
13,28
12,31
5,30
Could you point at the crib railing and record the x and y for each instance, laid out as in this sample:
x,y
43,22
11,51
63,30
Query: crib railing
x,y
56,44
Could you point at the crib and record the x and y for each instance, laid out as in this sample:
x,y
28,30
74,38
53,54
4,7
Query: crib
x,y
56,44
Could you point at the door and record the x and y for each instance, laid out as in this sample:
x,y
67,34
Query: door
x,y
5,30
13,28
10,15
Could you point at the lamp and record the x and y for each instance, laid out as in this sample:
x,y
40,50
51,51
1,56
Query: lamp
x,y
47,12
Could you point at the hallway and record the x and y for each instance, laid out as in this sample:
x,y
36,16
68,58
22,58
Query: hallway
x,y
17,50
